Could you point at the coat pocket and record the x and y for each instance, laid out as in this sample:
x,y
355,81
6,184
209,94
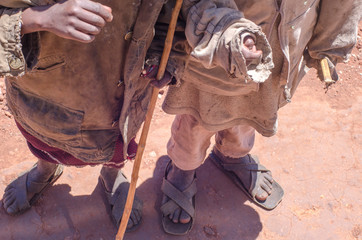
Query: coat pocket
x,y
44,117
49,63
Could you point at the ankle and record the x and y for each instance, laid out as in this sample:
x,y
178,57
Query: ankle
x,y
109,176
227,159
43,171
107,172
180,178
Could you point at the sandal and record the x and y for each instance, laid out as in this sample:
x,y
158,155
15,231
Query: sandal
x,y
117,200
251,165
177,199
36,187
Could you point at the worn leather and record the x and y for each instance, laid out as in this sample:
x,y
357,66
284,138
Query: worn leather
x,y
71,96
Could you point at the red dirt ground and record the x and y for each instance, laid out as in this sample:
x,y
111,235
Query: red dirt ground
x,y
316,157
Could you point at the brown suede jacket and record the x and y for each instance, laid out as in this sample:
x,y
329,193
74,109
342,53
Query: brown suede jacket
x,y
70,95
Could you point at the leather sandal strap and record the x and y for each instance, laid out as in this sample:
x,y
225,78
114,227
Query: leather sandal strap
x,y
178,198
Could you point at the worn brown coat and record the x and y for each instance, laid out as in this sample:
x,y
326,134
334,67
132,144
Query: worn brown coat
x,y
74,96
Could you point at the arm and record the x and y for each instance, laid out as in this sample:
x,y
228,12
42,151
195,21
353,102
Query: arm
x,y
224,41
78,20
220,36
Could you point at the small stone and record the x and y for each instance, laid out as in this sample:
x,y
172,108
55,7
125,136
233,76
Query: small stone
x,y
8,114
152,154
210,231
356,232
5,108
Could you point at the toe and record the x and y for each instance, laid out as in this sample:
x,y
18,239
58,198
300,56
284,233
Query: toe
x,y
11,209
266,188
8,192
185,217
133,217
268,184
170,216
138,215
269,177
176,215
130,223
8,200
261,194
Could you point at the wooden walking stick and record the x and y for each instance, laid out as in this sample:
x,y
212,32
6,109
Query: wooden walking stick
x,y
146,125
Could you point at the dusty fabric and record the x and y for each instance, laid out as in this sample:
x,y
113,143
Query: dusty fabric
x,y
70,95
57,156
297,30
12,61
216,36
137,91
190,140
211,39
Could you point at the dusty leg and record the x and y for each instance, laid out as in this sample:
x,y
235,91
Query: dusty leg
x,y
233,145
187,150
181,180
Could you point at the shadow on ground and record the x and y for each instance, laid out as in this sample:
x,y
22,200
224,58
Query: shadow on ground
x,y
60,215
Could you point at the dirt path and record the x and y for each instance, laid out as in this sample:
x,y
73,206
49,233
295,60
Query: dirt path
x,y
316,157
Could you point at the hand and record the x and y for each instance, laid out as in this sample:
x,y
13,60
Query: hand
x,y
78,20
150,72
249,50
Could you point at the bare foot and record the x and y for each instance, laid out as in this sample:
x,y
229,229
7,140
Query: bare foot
x,y
264,182
181,180
109,176
40,174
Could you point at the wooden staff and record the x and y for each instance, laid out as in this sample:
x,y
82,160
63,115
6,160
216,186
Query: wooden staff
x,y
326,73
146,125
